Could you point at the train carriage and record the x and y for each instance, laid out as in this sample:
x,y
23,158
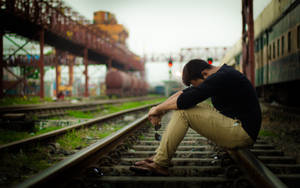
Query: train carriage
x,y
277,52
123,84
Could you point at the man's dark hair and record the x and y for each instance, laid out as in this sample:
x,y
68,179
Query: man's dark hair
x,y
192,70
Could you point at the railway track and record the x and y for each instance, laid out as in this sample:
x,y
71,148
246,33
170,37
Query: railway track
x,y
50,135
21,155
41,111
197,162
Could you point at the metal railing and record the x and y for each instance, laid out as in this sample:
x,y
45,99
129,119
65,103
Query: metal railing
x,y
61,20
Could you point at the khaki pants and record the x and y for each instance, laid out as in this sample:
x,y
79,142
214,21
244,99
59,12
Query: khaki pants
x,y
208,122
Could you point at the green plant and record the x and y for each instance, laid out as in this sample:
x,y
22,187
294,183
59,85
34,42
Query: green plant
x,y
7,136
80,114
267,133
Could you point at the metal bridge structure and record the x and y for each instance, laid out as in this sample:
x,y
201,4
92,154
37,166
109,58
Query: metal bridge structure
x,y
53,23
186,54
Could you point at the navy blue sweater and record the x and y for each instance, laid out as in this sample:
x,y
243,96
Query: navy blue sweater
x,y
232,95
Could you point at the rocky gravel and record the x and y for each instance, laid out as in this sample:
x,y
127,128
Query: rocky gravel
x,y
283,132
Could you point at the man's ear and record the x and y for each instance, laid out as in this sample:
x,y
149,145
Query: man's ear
x,y
204,73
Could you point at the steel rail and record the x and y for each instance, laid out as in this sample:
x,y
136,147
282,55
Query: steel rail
x,y
24,108
49,135
58,169
257,171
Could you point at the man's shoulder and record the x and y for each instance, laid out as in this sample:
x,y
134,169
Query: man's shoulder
x,y
229,71
226,67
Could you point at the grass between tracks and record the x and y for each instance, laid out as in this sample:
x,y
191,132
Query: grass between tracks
x,y
112,108
18,166
8,101
7,136
267,133
77,139
15,167
23,100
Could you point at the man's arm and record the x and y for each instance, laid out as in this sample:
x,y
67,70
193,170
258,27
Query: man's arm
x,y
169,104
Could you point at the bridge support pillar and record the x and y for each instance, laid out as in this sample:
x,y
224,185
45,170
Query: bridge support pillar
x,y
57,73
41,63
85,59
109,64
248,40
1,65
71,65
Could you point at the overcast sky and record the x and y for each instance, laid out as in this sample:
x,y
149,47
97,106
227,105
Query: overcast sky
x,y
164,26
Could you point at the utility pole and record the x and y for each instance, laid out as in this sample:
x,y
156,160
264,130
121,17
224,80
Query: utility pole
x,y
248,40
168,85
1,64
41,63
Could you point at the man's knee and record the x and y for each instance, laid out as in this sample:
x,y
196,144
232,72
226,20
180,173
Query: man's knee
x,y
179,116
178,113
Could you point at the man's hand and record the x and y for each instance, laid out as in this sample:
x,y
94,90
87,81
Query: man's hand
x,y
155,120
153,112
154,116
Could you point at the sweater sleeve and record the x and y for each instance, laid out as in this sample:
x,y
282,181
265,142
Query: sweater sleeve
x,y
190,98
195,95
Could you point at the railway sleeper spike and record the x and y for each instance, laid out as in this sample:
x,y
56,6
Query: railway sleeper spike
x,y
93,171
121,148
115,155
127,145
134,136
105,161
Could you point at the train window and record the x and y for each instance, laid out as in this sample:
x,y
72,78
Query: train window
x,y
256,45
298,36
278,43
282,45
289,42
273,50
269,54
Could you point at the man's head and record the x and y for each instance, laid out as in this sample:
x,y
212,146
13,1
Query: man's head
x,y
195,70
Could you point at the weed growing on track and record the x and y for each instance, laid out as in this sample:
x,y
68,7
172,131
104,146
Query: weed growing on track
x,y
267,133
7,136
8,101
111,108
142,137
81,138
15,167
47,129
128,105
80,114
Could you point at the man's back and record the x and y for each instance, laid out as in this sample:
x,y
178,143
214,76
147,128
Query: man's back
x,y
232,95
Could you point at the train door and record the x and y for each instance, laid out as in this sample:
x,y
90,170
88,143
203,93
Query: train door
x,y
257,62
261,60
267,58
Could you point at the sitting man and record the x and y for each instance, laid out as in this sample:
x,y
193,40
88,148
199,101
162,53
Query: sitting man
x,y
233,122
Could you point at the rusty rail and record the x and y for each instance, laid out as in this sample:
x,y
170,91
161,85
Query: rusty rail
x,y
49,135
64,105
105,144
258,172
